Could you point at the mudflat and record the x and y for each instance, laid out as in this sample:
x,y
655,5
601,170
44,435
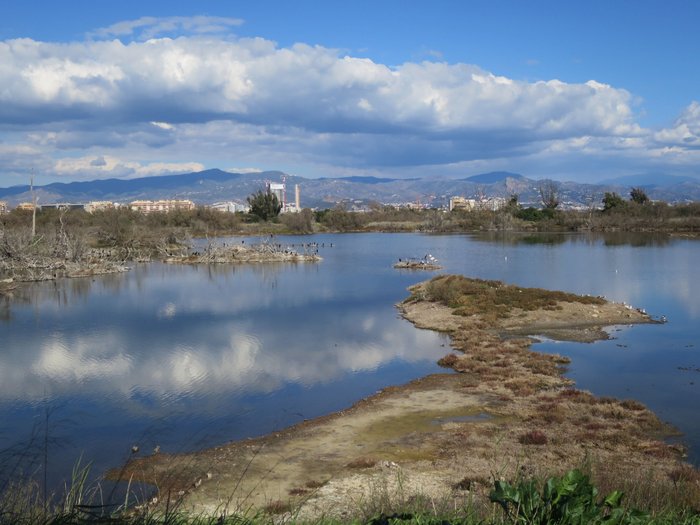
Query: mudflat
x,y
503,411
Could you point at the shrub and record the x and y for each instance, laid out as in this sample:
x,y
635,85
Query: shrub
x,y
534,437
448,361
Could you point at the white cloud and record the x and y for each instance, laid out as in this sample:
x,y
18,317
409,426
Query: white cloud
x,y
196,80
685,132
203,96
163,125
243,170
108,166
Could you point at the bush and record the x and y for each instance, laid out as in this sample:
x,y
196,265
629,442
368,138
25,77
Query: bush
x,y
301,222
534,437
264,204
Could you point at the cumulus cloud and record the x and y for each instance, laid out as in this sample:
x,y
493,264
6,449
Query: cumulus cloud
x,y
201,94
685,131
198,80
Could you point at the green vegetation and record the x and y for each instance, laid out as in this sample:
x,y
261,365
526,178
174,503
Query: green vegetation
x,y
569,500
639,196
488,298
612,201
264,205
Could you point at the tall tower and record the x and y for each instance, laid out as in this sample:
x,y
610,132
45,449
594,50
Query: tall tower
x,y
297,197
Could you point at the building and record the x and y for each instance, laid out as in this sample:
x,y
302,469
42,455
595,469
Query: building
x,y
161,205
492,203
27,206
230,207
93,206
293,207
3,207
461,203
279,190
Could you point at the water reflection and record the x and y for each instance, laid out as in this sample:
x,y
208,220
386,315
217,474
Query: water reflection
x,y
189,356
192,333
551,238
191,361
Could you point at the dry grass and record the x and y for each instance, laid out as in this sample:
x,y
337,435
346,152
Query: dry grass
x,y
314,484
277,507
646,487
493,300
533,437
362,463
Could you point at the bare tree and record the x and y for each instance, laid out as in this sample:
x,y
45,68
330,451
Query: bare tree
x,y
31,185
549,194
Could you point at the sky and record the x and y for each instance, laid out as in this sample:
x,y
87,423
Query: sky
x,y
577,91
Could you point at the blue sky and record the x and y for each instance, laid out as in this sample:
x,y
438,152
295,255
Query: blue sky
x,y
567,90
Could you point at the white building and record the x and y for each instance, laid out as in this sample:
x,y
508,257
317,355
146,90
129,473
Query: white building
x,y
461,203
230,207
161,205
93,206
279,190
492,203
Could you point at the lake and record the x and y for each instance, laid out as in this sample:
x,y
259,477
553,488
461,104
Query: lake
x,y
184,357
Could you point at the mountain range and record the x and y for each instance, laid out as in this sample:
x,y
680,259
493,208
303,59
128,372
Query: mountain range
x,y
214,185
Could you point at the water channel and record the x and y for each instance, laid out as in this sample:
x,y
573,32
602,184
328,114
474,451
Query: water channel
x,y
184,357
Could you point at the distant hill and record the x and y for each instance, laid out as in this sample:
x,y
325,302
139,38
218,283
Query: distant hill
x,y
494,176
215,185
363,180
649,180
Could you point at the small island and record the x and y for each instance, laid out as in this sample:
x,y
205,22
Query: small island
x,y
507,413
426,263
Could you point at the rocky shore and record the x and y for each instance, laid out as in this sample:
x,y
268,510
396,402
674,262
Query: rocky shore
x,y
507,412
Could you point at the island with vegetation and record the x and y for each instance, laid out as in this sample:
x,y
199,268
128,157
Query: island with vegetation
x,y
57,243
508,414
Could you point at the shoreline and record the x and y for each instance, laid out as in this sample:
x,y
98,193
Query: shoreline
x,y
507,411
103,262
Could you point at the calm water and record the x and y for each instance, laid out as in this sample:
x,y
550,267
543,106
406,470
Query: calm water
x,y
185,357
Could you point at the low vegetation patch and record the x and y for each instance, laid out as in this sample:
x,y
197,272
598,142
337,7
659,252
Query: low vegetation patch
x,y
534,437
470,296
361,463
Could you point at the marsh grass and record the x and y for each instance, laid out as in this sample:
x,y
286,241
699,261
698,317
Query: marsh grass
x,y
493,300
669,499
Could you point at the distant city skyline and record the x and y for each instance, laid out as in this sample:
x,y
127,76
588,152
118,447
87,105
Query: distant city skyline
x,y
563,90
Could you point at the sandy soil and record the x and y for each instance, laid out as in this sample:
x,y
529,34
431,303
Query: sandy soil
x,y
508,412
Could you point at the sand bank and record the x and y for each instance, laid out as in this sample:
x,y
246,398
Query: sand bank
x,y
507,412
